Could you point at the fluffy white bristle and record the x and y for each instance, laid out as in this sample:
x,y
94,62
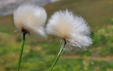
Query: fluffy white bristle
x,y
70,27
30,17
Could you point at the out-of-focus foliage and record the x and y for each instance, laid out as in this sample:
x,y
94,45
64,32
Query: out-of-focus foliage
x,y
39,54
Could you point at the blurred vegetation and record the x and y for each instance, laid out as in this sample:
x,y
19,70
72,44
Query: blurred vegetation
x,y
39,53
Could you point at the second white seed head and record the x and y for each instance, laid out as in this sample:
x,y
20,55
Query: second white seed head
x,y
72,28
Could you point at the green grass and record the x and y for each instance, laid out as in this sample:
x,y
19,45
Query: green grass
x,y
39,54
98,13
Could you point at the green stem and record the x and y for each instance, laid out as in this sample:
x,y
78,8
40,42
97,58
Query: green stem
x,y
22,46
58,55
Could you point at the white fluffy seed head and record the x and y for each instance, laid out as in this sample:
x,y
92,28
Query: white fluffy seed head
x,y
71,27
30,17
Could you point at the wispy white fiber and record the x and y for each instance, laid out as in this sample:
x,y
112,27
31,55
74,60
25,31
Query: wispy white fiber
x,y
71,27
30,17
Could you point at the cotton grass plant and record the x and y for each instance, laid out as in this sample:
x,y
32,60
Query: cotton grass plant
x,y
72,29
29,19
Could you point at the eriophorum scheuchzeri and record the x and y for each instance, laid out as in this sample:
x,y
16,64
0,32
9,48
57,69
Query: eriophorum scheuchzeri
x,y
72,29
29,19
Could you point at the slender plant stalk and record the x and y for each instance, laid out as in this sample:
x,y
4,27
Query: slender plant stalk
x,y
58,55
22,46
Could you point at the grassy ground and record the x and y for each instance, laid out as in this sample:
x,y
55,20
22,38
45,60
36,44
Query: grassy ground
x,y
97,12
39,53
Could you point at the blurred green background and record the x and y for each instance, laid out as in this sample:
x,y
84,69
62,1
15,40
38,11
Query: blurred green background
x,y
39,54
